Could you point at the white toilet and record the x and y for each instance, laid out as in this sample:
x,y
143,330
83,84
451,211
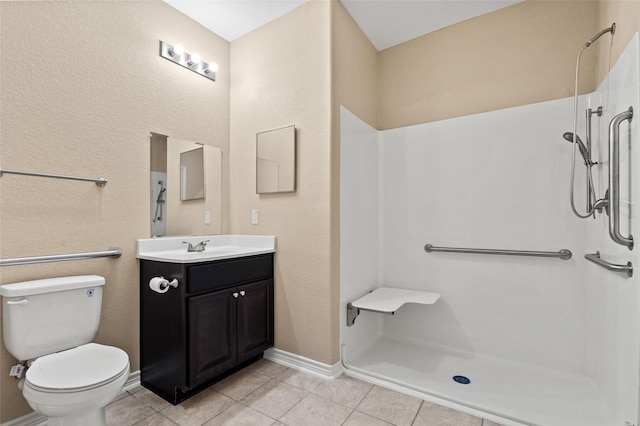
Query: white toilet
x,y
50,323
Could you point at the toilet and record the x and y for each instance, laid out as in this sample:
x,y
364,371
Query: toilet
x,y
50,323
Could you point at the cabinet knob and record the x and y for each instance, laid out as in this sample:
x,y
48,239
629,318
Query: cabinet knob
x,y
242,293
235,295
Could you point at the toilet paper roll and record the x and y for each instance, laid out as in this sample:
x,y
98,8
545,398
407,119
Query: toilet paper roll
x,y
159,285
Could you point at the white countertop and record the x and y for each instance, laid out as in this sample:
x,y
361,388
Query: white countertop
x,y
173,249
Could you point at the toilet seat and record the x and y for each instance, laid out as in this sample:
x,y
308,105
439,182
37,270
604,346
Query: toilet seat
x,y
79,369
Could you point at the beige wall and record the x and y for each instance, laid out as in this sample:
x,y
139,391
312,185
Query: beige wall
x,y
281,77
518,55
82,86
626,15
158,153
354,68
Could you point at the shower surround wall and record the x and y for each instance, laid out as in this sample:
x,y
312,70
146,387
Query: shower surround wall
x,y
544,341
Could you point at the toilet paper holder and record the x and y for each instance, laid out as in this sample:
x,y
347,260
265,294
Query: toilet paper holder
x,y
164,283
173,283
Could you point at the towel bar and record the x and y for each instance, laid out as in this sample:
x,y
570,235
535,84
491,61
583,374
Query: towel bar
x,y
98,181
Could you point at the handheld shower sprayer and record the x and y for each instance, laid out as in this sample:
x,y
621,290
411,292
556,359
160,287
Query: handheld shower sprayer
x,y
568,136
585,150
159,201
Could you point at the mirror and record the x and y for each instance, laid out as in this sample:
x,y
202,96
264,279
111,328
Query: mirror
x,y
180,206
192,174
276,161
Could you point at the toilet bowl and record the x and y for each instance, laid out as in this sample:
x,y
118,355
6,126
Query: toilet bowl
x,y
49,324
72,387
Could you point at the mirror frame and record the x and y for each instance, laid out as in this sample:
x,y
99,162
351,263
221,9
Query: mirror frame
x,y
276,161
192,188
184,217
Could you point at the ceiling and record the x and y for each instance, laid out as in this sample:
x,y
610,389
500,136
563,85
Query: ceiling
x,y
385,22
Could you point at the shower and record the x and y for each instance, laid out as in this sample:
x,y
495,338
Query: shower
x,y
585,150
568,136
159,201
528,340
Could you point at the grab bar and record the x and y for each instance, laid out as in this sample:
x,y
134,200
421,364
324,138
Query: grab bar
x,y
595,258
112,252
563,254
98,181
614,179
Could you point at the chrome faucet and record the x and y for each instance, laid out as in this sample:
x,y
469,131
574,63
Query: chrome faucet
x,y
198,248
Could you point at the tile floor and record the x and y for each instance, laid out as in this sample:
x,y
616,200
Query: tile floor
x,y
267,393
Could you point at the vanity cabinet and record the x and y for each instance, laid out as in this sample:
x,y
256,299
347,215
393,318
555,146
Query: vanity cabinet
x,y
219,318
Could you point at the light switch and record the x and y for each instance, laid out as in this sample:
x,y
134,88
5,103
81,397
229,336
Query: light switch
x,y
254,217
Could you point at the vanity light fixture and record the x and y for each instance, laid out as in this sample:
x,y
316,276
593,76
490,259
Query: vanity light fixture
x,y
177,50
195,59
193,62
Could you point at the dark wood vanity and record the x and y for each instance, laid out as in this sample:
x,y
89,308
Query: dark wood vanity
x,y
218,319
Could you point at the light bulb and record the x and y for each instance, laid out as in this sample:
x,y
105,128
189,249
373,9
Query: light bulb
x,y
195,58
178,49
213,67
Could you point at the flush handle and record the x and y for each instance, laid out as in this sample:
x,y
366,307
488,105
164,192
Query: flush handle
x,y
18,302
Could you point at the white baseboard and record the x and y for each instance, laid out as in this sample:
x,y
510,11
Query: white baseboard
x,y
132,382
31,419
301,363
35,419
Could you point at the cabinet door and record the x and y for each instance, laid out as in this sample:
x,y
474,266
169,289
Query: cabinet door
x,y
212,328
255,318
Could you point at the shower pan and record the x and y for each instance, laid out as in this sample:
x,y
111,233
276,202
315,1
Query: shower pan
x,y
519,340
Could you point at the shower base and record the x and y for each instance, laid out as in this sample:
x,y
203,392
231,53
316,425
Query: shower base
x,y
523,394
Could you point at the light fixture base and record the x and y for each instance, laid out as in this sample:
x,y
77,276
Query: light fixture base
x,y
184,60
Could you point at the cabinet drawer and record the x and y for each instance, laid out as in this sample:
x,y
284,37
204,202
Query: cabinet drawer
x,y
229,272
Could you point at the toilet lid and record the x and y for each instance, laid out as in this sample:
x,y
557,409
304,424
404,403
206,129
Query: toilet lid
x,y
86,366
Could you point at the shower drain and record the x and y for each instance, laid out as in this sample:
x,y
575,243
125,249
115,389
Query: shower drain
x,y
462,380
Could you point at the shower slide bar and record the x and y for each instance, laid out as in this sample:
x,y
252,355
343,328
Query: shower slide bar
x,y
114,252
98,181
563,254
595,258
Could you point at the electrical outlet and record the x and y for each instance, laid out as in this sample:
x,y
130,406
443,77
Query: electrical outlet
x,y
254,217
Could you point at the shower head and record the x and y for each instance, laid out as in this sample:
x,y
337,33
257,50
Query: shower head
x,y
611,29
568,136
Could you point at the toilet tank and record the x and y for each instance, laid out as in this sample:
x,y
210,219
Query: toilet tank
x,y
45,316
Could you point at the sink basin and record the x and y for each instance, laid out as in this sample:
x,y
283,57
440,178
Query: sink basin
x,y
173,249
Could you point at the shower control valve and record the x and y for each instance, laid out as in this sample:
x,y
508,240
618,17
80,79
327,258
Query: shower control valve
x,y
602,203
